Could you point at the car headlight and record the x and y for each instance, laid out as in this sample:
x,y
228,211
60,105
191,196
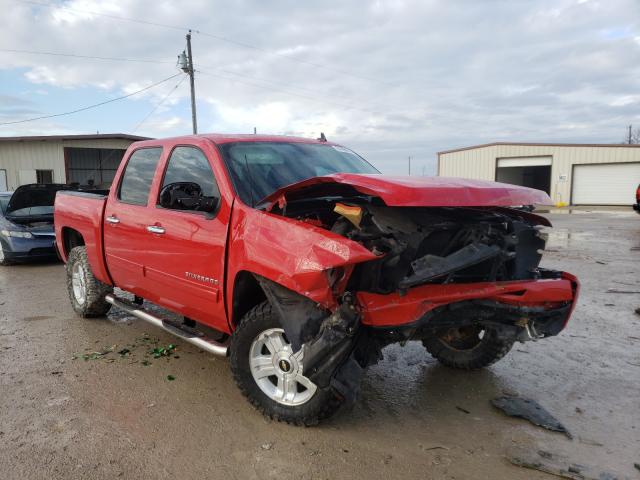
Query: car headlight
x,y
16,233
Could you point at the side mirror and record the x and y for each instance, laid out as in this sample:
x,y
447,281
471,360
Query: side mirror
x,y
208,204
186,196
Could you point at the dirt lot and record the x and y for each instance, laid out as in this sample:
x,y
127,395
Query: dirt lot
x,y
118,415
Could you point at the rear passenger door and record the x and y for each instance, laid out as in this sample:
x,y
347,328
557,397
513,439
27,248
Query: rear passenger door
x,y
126,219
184,253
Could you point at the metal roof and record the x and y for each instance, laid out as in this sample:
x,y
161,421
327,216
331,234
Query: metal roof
x,y
534,144
97,136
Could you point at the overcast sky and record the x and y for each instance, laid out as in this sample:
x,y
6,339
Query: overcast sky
x,y
390,79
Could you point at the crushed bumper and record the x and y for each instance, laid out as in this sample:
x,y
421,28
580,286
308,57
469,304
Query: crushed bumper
x,y
548,301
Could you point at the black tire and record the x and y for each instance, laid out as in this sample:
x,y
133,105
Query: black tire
x,y
322,404
3,260
94,304
468,351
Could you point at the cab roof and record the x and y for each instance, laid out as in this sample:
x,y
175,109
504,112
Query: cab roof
x,y
220,138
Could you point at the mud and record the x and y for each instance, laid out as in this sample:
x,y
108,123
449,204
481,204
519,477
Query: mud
x,y
120,415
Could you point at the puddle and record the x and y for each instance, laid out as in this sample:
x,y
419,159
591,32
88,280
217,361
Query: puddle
x,y
564,238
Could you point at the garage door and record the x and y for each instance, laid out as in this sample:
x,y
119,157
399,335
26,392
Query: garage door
x,y
605,184
523,162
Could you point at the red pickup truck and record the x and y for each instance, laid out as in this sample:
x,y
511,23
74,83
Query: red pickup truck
x,y
299,261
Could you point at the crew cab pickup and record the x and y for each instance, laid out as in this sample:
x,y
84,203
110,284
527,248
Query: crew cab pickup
x,y
300,261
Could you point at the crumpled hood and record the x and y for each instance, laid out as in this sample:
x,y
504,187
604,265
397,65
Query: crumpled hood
x,y
34,195
407,191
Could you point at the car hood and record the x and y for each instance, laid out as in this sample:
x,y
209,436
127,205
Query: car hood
x,y
34,195
407,191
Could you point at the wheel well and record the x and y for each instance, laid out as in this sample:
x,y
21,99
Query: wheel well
x,y
70,239
247,293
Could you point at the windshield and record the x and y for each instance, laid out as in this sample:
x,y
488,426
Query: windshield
x,y
33,211
258,169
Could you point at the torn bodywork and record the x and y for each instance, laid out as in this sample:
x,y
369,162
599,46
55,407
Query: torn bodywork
x,y
332,356
436,271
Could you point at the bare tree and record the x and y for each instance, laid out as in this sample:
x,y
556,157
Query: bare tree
x,y
633,136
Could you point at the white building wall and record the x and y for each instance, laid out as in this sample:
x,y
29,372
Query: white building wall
x,y
44,155
480,163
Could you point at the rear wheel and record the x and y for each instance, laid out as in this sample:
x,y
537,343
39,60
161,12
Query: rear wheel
x,y
269,373
87,294
467,348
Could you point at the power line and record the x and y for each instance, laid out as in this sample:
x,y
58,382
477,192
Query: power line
x,y
285,56
113,151
206,34
141,60
91,57
158,104
264,80
92,106
100,14
270,88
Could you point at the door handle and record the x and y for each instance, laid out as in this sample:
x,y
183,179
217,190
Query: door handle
x,y
112,219
155,229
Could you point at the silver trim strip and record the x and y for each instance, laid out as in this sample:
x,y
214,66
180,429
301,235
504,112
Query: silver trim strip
x,y
208,345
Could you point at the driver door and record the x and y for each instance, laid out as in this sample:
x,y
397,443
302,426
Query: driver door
x,y
185,250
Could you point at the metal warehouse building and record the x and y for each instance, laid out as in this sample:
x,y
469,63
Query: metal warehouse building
x,y
79,159
572,174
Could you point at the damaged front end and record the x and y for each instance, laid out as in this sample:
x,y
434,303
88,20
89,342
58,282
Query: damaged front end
x,y
438,270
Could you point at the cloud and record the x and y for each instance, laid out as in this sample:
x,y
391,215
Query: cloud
x,y
12,107
390,78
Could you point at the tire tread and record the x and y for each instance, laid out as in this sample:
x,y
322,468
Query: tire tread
x,y
96,305
489,351
305,415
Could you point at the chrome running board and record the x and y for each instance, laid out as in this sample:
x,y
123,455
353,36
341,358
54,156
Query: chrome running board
x,y
201,341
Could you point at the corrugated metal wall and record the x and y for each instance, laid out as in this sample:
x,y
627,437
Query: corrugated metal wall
x,y
44,155
480,163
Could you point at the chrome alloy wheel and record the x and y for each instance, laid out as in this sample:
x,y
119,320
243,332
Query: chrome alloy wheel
x,y
79,283
277,370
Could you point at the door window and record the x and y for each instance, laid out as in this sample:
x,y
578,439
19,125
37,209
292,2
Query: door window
x,y
188,167
138,175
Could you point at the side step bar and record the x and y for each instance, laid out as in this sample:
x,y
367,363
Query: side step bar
x,y
204,343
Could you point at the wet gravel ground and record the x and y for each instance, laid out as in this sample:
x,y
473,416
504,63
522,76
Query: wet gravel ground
x,y
119,415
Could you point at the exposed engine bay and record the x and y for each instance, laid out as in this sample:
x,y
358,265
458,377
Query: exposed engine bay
x,y
417,246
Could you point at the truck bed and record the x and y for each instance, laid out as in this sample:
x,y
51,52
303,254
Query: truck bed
x,y
83,213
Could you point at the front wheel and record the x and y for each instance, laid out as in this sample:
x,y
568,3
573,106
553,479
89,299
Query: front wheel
x,y
3,258
269,373
86,292
467,348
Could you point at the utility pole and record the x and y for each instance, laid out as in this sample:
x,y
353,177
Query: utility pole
x,y
409,165
189,71
630,134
